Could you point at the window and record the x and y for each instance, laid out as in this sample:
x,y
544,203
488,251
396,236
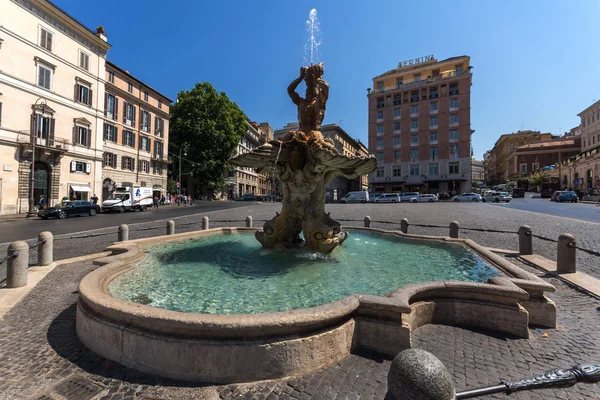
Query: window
x,y
397,155
44,77
414,140
417,77
145,143
433,137
523,168
433,107
129,114
397,99
415,170
158,126
110,160
453,103
80,166
82,136
145,96
129,138
520,143
144,166
379,115
414,110
397,171
434,169
130,87
160,105
83,94
453,119
397,113
397,141
454,135
111,76
414,124
46,39
44,129
379,173
111,107
158,149
398,82
433,121
396,128
157,168
380,102
380,85
433,153
127,163
379,144
453,168
379,130
459,69
454,151
523,158
84,60
380,156
145,121
414,154
110,133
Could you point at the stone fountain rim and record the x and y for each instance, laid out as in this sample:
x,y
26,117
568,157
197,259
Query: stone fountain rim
x,y
94,296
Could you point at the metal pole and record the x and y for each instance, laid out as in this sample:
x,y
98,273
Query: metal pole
x,y
179,176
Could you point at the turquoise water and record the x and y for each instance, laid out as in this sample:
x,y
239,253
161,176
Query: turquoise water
x,y
233,274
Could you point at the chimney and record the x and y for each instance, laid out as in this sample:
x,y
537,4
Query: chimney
x,y
100,33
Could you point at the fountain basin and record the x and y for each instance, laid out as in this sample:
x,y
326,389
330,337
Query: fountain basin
x,y
245,347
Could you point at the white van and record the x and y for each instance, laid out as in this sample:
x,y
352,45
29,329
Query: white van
x,y
388,198
356,197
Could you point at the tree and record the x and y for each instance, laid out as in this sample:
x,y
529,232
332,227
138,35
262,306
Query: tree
x,y
210,126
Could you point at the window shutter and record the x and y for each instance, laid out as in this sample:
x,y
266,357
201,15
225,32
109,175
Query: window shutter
x,y
124,111
156,122
90,95
116,112
89,138
88,168
105,103
140,165
123,162
73,166
43,38
140,142
133,117
74,135
113,161
51,132
149,123
49,41
132,139
33,125
76,96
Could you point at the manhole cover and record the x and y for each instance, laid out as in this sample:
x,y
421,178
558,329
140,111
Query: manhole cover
x,y
72,388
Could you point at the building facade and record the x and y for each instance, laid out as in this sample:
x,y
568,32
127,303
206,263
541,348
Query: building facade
x,y
531,157
51,99
586,167
135,133
420,126
477,171
344,144
498,166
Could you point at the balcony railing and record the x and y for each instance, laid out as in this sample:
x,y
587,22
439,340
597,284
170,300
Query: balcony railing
x,y
446,76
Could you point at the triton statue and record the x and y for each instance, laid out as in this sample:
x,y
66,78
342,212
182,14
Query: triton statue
x,y
304,163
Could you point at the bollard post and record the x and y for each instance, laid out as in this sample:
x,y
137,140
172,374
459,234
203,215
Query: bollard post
x,y
45,248
454,228
249,221
123,233
404,225
367,222
205,223
16,271
566,257
525,241
170,227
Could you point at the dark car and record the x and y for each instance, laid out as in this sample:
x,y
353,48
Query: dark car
x,y
69,209
567,196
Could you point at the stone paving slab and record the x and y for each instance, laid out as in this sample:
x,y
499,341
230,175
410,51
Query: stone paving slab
x,y
39,350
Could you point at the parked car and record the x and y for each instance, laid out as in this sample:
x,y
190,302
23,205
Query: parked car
x,y
444,196
388,198
407,196
497,197
356,197
518,193
568,196
424,198
374,197
69,209
554,196
474,197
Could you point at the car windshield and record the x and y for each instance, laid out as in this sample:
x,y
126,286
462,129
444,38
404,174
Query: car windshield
x,y
116,196
504,193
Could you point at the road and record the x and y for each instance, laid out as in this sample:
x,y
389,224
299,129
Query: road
x,y
22,228
579,211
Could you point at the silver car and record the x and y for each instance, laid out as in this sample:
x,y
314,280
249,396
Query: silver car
x,y
473,197
388,198
424,198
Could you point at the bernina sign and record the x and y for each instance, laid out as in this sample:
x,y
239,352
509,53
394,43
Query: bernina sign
x,y
415,61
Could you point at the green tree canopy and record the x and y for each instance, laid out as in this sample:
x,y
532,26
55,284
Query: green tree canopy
x,y
210,126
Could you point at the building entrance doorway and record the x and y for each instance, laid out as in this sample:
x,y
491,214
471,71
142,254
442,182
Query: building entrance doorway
x,y
41,181
107,187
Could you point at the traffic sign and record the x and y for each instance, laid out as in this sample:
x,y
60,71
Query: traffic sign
x,y
177,184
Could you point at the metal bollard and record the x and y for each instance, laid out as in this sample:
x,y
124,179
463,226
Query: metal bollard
x,y
454,228
367,222
525,241
205,223
45,248
404,225
566,260
16,271
170,227
123,233
249,221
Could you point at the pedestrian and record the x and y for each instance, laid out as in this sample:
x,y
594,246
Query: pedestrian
x,y
156,202
42,202
190,199
95,199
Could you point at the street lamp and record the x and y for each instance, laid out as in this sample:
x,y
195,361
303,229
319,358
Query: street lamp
x,y
40,102
183,149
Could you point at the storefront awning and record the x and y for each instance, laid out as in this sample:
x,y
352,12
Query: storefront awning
x,y
80,188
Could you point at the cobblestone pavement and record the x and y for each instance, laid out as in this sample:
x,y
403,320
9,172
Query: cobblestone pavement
x,y
41,357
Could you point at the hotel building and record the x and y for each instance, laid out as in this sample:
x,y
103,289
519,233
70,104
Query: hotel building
x,y
420,126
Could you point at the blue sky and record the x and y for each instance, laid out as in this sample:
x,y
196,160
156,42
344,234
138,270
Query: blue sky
x,y
536,63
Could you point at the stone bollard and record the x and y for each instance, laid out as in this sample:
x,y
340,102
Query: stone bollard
x,y
205,223
454,228
418,375
367,222
404,225
249,221
566,257
123,233
170,227
16,271
45,248
525,241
